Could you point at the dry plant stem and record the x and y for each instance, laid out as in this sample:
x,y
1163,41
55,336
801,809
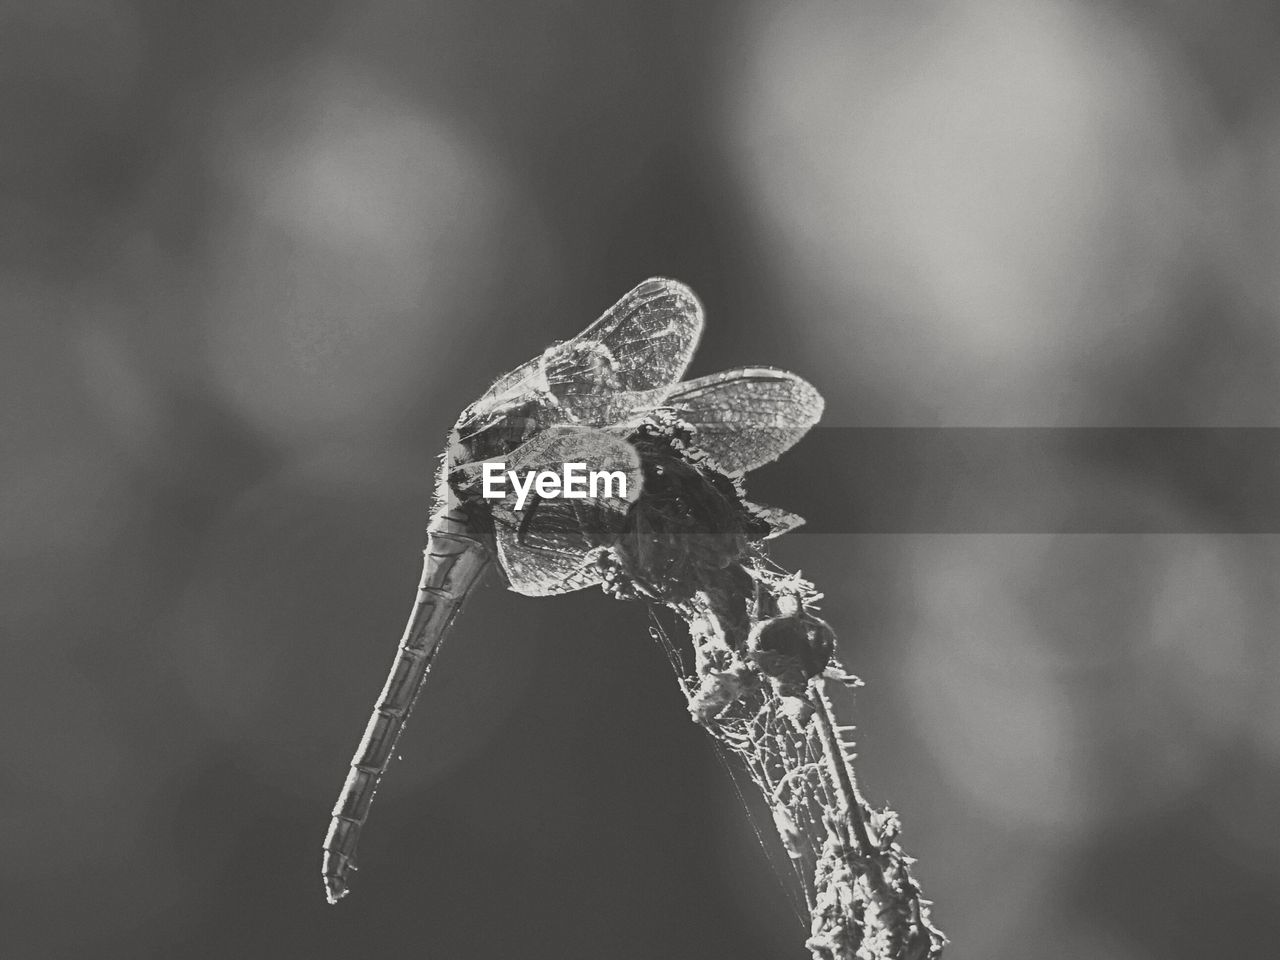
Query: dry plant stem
x,y
841,774
452,563
862,901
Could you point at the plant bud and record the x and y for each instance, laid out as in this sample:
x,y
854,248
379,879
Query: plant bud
x,y
782,646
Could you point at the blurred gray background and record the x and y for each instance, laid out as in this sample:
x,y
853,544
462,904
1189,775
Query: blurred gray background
x,y
256,256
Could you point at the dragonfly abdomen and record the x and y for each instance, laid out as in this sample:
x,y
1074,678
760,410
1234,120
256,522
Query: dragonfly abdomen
x,y
453,562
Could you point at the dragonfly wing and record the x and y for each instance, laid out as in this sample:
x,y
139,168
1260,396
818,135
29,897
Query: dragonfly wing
x,y
615,406
780,521
540,570
748,417
543,544
643,342
545,549
552,448
526,382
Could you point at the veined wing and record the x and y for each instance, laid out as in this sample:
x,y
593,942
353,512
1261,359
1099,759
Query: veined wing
x,y
524,384
643,342
536,566
780,521
747,417
614,408
569,443
543,545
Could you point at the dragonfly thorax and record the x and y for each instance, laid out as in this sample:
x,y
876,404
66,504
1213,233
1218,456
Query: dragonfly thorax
x,y
690,522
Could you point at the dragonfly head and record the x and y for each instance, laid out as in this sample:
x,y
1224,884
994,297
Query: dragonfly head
x,y
491,434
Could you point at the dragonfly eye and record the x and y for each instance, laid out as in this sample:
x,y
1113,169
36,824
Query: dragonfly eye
x,y
496,435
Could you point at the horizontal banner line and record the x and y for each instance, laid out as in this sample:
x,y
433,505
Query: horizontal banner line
x,y
1029,480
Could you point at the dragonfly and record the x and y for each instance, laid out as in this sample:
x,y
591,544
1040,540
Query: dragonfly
x,y
600,398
